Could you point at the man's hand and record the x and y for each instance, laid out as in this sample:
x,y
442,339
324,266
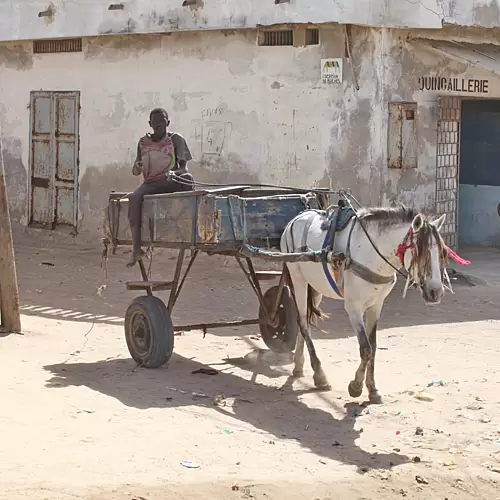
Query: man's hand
x,y
137,168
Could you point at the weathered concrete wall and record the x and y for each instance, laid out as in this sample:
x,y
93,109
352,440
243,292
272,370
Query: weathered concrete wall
x,y
249,113
32,19
62,18
405,63
484,13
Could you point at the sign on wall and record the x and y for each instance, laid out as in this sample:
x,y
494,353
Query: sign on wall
x,y
331,71
462,85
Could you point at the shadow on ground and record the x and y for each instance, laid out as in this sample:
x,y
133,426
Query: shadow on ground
x,y
68,283
277,411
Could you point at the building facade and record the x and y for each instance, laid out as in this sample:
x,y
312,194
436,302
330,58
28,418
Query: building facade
x,y
396,100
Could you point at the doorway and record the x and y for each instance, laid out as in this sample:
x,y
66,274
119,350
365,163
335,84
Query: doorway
x,y
479,180
54,149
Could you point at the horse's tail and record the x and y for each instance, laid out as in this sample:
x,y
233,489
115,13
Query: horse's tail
x,y
313,312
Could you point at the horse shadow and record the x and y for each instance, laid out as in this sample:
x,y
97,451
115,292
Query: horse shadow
x,y
278,411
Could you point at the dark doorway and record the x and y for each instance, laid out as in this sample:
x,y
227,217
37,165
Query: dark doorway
x,y
479,190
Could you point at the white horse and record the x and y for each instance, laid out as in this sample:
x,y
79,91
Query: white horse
x,y
376,242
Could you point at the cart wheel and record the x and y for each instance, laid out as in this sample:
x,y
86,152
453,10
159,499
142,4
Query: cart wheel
x,y
281,339
149,332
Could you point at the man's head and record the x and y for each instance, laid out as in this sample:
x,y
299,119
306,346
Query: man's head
x,y
158,121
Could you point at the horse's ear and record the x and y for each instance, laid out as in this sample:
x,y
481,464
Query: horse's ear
x,y
417,223
438,223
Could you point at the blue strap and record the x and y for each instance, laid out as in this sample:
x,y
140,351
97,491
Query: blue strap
x,y
326,269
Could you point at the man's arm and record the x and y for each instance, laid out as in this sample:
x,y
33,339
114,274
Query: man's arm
x,y
137,168
182,153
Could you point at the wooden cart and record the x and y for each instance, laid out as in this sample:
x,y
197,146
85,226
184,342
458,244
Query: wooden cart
x,y
243,222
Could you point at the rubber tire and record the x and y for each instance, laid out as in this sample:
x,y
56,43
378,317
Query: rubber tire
x,y
291,327
161,345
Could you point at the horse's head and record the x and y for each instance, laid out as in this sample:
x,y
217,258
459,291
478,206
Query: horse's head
x,y
427,257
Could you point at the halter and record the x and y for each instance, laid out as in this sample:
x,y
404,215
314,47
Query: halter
x,y
408,243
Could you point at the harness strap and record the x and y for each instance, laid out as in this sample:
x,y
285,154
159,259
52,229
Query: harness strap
x,y
358,269
332,229
367,274
305,233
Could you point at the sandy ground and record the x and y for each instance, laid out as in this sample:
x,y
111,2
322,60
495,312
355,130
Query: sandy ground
x,y
78,420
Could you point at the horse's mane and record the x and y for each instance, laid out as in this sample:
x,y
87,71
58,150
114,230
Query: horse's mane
x,y
400,213
405,214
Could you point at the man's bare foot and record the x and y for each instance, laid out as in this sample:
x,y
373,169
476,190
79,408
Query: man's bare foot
x,y
136,256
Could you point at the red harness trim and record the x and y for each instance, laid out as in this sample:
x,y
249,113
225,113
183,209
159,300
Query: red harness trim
x,y
402,248
457,258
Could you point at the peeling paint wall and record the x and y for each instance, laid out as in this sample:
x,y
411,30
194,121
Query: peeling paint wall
x,y
249,113
483,13
406,61
33,19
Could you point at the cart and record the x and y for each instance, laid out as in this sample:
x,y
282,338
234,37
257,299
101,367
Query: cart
x,y
239,221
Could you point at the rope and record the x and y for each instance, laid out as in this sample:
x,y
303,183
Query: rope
x,y
342,192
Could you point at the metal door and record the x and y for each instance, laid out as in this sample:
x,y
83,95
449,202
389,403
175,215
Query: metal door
x,y
54,158
448,146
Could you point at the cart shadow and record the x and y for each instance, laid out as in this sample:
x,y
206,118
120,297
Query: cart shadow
x,y
277,411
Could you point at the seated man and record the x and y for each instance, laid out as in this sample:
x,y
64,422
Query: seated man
x,y
161,158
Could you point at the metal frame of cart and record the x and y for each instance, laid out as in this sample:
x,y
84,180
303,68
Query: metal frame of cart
x,y
149,330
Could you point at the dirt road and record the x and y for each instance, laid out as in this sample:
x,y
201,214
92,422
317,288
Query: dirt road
x,y
78,420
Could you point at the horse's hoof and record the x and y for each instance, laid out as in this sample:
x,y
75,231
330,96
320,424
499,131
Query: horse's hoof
x,y
298,373
375,398
355,390
321,382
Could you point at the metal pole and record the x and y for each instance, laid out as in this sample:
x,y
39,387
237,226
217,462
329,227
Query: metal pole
x,y
9,293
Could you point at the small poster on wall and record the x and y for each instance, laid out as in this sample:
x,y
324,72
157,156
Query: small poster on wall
x,y
331,71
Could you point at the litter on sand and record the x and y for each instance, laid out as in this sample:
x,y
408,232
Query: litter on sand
x,y
492,467
434,382
206,371
422,396
421,480
189,464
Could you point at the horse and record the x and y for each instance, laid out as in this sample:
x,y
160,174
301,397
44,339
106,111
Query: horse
x,y
376,243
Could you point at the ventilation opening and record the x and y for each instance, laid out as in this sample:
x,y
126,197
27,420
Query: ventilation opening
x,y
277,38
312,36
57,46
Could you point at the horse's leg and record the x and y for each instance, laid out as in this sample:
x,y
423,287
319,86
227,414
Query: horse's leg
x,y
372,317
365,350
298,370
298,357
301,289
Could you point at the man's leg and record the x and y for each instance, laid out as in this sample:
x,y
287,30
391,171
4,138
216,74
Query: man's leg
x,y
135,215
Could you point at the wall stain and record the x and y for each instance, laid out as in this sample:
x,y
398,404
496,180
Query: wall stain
x,y
48,14
130,27
117,48
16,55
96,183
16,178
229,169
179,99
487,16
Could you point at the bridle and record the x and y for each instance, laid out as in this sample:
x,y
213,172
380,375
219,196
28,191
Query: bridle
x,y
363,272
415,279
